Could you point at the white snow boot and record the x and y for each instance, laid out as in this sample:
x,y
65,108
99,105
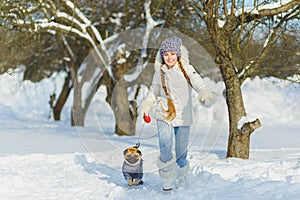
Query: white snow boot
x,y
167,172
182,175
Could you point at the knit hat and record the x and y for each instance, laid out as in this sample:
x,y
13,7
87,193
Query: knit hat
x,y
170,45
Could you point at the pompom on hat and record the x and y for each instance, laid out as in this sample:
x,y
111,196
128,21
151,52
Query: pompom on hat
x,y
170,45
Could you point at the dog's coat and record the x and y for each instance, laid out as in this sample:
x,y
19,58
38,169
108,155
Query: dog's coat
x,y
133,166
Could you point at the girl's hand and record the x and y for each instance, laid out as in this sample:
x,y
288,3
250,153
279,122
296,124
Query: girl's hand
x,y
206,99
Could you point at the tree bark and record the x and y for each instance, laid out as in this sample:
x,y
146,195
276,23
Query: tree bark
x,y
239,139
62,99
238,144
120,105
77,111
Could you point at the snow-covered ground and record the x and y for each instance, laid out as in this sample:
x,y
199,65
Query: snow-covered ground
x,y
42,159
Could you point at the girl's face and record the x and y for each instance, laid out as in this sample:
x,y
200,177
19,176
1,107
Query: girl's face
x,y
170,58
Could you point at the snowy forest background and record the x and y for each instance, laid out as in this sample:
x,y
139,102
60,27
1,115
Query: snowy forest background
x,y
73,73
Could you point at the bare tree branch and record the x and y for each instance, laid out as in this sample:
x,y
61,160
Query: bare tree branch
x,y
262,11
225,8
249,127
262,53
279,9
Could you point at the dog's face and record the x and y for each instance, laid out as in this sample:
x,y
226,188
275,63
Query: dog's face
x,y
132,155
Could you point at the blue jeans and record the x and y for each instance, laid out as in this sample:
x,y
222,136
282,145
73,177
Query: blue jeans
x,y
165,136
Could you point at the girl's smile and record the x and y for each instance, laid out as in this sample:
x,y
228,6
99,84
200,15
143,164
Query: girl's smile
x,y
170,58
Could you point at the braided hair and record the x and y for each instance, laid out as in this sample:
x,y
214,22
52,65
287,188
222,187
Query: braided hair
x,y
171,111
186,76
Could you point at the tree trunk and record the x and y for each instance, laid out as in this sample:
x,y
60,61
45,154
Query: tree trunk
x,y
77,116
77,112
239,139
120,105
67,87
238,145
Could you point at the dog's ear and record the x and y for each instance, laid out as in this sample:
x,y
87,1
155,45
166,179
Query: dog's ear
x,y
139,152
125,152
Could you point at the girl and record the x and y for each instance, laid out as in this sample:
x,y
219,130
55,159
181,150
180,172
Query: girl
x,y
170,91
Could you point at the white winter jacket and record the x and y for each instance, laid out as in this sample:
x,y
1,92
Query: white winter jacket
x,y
179,90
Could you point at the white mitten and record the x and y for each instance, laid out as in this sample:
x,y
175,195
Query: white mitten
x,y
146,104
145,107
205,98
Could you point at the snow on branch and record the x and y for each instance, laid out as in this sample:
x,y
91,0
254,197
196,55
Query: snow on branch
x,y
270,9
278,7
250,13
150,24
72,21
77,12
290,14
87,23
61,27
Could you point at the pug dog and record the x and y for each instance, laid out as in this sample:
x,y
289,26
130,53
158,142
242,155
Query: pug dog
x,y
133,166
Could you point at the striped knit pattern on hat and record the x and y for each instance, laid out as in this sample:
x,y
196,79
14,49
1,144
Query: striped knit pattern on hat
x,y
170,45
